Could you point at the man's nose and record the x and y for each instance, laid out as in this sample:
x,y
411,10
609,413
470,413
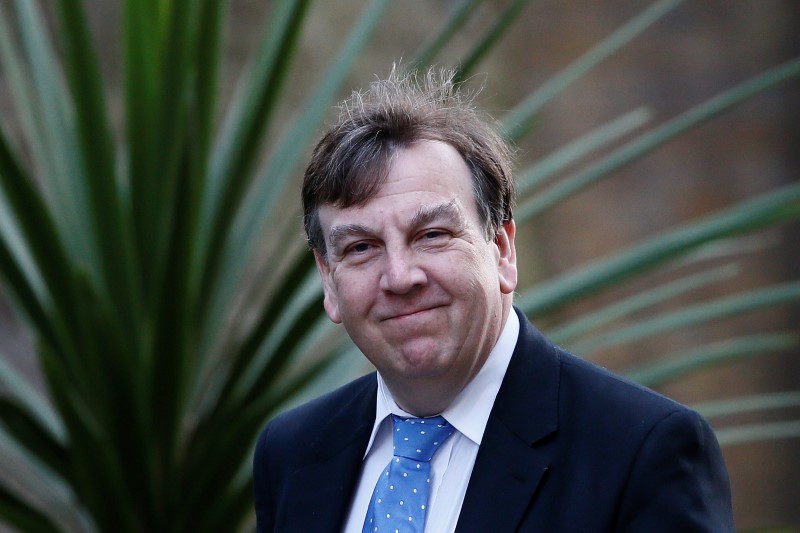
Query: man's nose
x,y
401,272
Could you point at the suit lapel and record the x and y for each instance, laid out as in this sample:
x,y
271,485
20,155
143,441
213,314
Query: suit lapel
x,y
502,485
509,468
319,494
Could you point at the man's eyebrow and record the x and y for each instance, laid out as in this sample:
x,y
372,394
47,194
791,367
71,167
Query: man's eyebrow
x,y
449,212
339,233
426,214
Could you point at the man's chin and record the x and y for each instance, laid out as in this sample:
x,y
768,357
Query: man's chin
x,y
423,360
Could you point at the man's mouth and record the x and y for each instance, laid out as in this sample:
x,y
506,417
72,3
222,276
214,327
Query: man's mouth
x,y
404,313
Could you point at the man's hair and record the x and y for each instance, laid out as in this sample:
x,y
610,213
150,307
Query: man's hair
x,y
351,161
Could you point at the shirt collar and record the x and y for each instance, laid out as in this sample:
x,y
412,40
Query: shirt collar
x,y
469,412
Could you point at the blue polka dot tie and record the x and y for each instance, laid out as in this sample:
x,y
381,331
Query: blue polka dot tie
x,y
401,494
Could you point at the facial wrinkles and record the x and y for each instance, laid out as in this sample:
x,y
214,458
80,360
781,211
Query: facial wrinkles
x,y
449,213
342,233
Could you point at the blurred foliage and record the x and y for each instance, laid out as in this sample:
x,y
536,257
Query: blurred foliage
x,y
127,252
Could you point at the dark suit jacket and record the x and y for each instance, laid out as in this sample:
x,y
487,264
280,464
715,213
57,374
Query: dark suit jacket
x,y
569,447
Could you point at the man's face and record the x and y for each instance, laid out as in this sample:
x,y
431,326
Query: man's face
x,y
412,277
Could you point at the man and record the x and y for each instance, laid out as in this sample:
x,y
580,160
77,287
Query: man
x,y
408,209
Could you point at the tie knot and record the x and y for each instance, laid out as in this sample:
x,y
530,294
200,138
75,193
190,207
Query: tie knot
x,y
419,438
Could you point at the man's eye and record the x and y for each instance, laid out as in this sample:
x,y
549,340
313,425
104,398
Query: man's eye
x,y
359,247
433,234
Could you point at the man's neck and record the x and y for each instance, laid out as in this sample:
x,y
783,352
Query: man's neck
x,y
424,397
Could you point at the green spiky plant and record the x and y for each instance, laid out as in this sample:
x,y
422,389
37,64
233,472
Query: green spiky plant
x,y
126,251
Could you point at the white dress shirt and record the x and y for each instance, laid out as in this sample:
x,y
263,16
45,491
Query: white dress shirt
x,y
451,467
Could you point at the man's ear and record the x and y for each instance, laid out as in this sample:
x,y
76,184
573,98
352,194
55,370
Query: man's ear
x,y
331,301
507,264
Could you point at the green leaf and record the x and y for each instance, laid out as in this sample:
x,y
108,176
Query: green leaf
x,y
540,172
235,155
767,209
14,385
290,291
31,420
21,515
158,76
695,315
35,225
276,352
24,291
253,106
516,121
672,367
484,45
45,114
459,15
637,303
649,141
748,404
746,434
37,495
110,222
789,529
23,427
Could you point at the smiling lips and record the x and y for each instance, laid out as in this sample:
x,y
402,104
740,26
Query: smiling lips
x,y
394,315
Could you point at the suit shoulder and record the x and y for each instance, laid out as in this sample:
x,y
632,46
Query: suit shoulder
x,y
296,424
565,390
565,376
598,392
